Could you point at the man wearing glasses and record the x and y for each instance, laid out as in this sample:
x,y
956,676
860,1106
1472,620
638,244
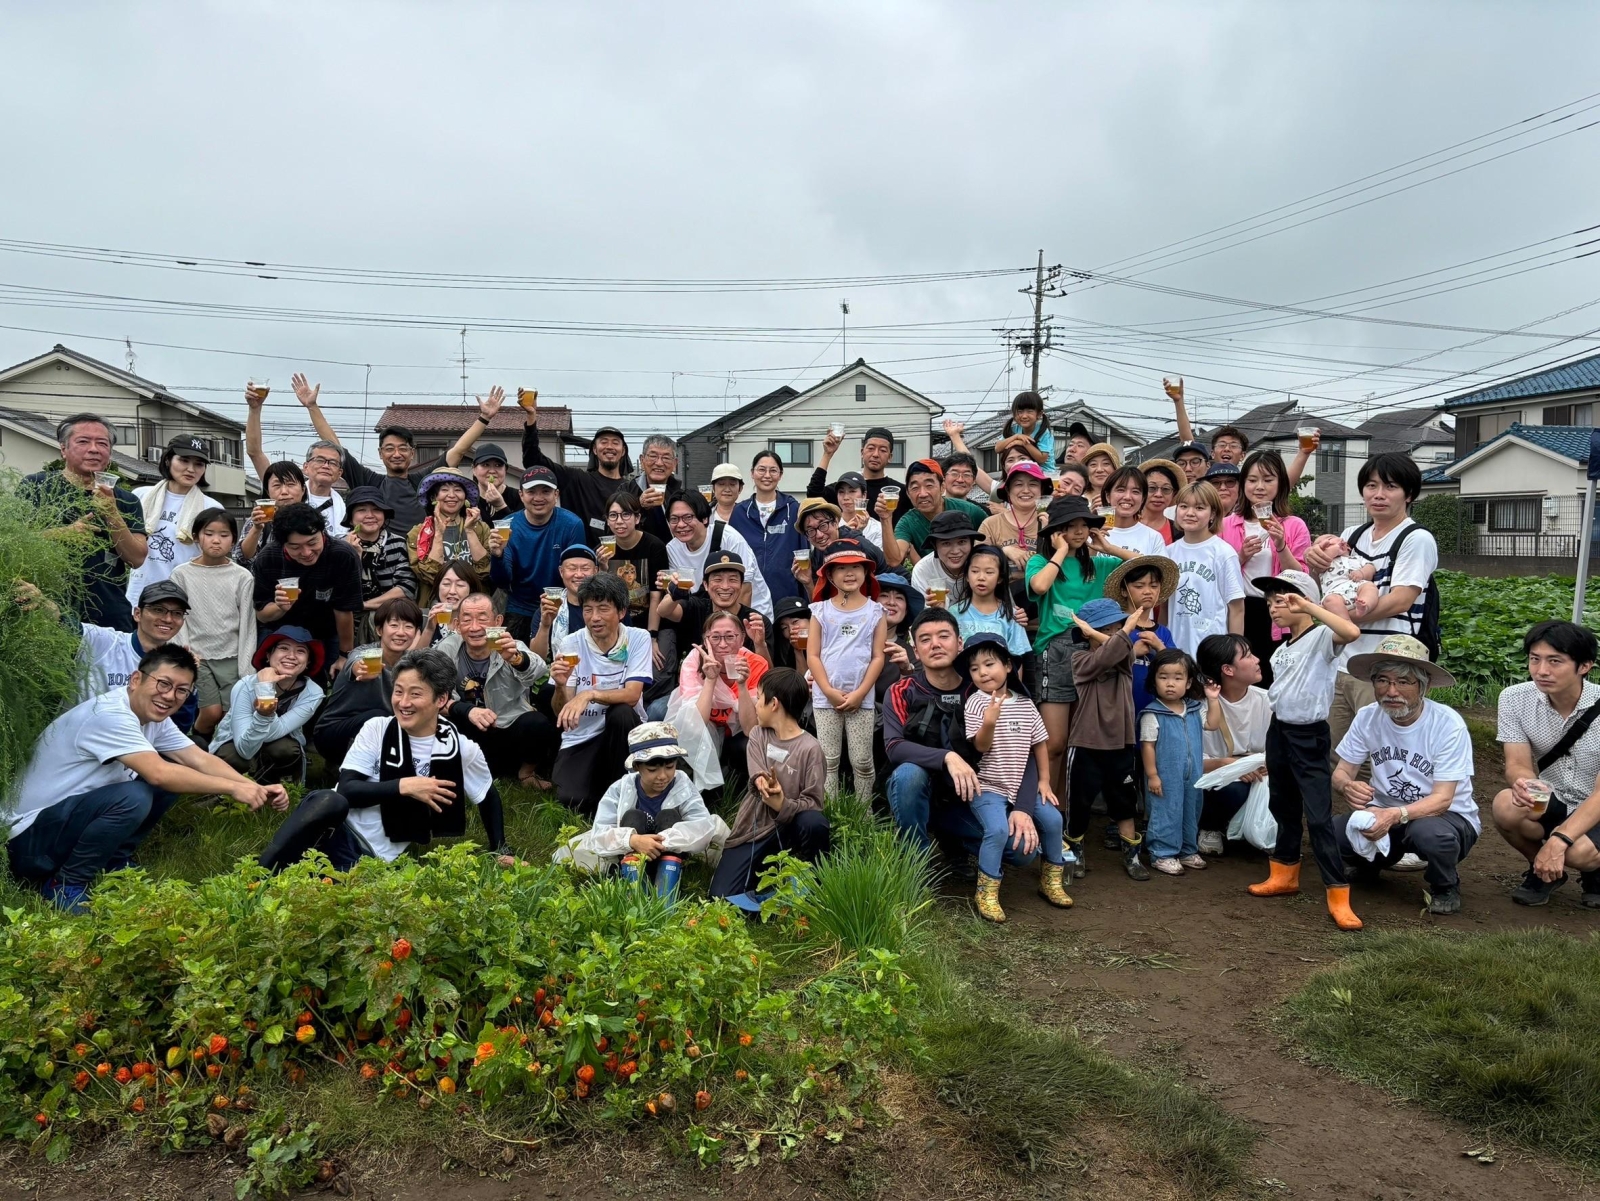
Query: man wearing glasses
x,y
104,772
324,462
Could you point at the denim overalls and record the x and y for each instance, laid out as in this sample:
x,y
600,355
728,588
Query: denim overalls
x,y
1175,814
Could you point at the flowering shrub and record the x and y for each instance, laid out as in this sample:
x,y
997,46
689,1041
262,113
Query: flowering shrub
x,y
441,979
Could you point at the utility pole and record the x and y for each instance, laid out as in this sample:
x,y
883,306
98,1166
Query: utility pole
x,y
1042,338
844,342
1038,320
463,364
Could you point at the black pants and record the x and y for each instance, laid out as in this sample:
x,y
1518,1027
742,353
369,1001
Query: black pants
x,y
1258,632
1302,795
582,773
1103,773
530,739
805,837
1218,805
318,823
1443,841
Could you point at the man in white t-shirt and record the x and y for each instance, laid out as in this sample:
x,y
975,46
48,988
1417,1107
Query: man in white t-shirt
x,y
324,462
688,516
599,673
403,780
1390,484
1420,797
112,656
104,772
1228,661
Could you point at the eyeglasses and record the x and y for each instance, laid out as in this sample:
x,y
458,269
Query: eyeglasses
x,y
323,461
1397,684
169,688
167,613
681,519
621,515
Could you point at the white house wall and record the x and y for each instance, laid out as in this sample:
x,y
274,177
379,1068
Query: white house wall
x,y
23,453
1518,471
910,421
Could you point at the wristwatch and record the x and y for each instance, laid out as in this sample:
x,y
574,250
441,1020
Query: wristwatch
x,y
1405,816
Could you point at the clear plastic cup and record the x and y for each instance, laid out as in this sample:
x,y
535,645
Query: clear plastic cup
x,y
891,498
1539,792
107,479
269,509
372,661
837,429
705,491
938,596
528,398
1308,436
609,542
291,587
496,637
1262,512
266,698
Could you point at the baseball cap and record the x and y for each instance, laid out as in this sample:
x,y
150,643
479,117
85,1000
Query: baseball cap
x,y
191,446
851,479
725,560
726,471
579,550
539,477
163,590
488,451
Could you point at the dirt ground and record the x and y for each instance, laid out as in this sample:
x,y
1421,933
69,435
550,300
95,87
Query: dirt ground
x,y
1183,973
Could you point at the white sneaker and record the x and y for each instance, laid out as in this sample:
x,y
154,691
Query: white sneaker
x,y
1193,862
1211,842
1409,863
1167,866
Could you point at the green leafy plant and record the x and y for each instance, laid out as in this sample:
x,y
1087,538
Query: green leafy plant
x,y
873,893
1481,624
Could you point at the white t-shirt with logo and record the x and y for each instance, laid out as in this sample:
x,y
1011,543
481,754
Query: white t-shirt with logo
x,y
1418,559
605,675
164,552
1208,579
1408,760
110,658
1304,672
693,562
333,515
82,750
366,755
1137,536
1248,719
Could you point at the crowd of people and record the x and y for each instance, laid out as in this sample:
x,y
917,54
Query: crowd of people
x,y
993,658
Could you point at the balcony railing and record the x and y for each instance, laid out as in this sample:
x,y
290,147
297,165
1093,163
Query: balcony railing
x,y
1527,546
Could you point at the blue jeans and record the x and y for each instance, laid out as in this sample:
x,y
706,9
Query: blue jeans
x,y
656,710
988,814
76,839
910,790
1174,821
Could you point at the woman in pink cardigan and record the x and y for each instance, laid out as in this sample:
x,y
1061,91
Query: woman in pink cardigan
x,y
1268,540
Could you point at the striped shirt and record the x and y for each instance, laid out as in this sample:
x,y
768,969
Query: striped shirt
x,y
1017,732
1528,717
1412,567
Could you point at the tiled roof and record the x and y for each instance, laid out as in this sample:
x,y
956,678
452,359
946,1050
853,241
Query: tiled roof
x,y
1280,419
1569,377
1439,475
746,413
1568,441
1404,430
453,419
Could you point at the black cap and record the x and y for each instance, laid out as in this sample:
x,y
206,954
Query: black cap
x,y
1222,470
790,606
725,560
851,479
1193,448
878,431
191,446
486,451
609,429
952,523
365,495
1078,430
163,590
539,477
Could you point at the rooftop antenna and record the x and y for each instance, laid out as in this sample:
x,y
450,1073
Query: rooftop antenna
x,y
463,364
131,357
844,343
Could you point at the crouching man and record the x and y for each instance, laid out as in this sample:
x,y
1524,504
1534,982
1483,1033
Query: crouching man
x,y
405,779
104,772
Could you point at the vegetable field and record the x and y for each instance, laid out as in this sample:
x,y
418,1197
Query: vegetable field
x,y
1482,621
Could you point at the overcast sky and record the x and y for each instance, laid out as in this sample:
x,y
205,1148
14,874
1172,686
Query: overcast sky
x,y
792,141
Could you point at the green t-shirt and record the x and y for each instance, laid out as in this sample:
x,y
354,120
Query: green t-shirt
x,y
1068,592
914,527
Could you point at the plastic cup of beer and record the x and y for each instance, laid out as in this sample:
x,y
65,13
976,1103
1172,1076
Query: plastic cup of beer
x,y
444,616
496,637
528,398
1262,512
266,698
372,661
259,386
891,498
837,429
800,640
568,658
1539,792
269,509
107,479
555,594
609,542
705,491
802,558
503,524
1308,436
291,587
1108,512
938,596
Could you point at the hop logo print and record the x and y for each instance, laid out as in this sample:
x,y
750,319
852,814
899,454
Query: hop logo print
x,y
1189,600
1405,791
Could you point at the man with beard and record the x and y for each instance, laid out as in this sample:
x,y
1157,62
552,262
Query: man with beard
x,y
588,491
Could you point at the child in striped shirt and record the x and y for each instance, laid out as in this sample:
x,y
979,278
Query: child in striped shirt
x,y
1006,728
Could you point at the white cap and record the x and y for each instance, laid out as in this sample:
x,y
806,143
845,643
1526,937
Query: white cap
x,y
726,471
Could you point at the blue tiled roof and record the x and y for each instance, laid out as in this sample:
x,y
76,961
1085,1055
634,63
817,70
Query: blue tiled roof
x,y
1439,475
1568,441
1569,377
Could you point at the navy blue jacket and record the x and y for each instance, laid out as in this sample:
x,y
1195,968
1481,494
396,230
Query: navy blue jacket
x,y
774,543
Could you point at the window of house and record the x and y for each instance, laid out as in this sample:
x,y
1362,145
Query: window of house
x,y
1514,515
1480,511
990,461
898,458
793,454
1483,427
861,393
1330,458
126,435
1569,414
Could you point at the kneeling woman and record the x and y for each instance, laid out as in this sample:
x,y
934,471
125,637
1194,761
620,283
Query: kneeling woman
x,y
652,817
262,733
404,780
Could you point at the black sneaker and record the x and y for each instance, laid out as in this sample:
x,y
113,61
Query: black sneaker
x,y
1445,901
1113,837
1534,891
1589,898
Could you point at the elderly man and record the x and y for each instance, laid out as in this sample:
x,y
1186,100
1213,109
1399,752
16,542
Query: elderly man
x,y
493,682
656,481
112,515
1551,812
526,559
925,489
1420,798
586,492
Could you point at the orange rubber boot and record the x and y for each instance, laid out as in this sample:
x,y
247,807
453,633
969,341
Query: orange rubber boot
x,y
1339,909
1284,880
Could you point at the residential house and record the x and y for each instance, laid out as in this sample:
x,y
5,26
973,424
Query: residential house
x,y
793,426
1556,396
1525,487
981,436
144,416
438,426
1426,434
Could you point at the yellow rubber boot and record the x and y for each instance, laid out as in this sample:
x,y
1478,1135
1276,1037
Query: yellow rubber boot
x,y
988,899
1339,909
1050,886
1283,881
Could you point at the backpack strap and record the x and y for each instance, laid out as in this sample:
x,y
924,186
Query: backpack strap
x,y
716,539
1570,739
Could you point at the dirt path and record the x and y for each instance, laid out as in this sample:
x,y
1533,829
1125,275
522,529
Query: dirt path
x,y
1105,966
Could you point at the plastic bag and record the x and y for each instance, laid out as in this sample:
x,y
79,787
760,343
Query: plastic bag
x,y
697,737
1233,772
1254,822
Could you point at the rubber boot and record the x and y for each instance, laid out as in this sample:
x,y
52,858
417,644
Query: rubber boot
x,y
1339,908
1080,865
1284,880
1050,886
988,899
1131,863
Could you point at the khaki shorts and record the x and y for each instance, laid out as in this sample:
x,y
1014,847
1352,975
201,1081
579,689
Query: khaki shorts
x,y
216,679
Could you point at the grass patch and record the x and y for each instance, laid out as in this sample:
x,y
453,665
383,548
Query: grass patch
x,y
1499,1031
